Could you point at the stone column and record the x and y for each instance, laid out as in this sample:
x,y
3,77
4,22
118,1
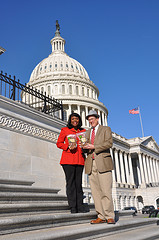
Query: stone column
x,y
113,171
86,111
103,119
157,169
131,170
83,118
145,168
122,167
141,169
106,123
78,109
117,166
99,117
152,172
154,168
148,168
69,109
138,171
126,168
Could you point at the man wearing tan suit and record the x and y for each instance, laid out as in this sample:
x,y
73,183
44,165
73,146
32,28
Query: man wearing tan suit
x,y
99,166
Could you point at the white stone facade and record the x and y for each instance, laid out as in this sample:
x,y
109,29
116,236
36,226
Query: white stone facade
x,y
136,161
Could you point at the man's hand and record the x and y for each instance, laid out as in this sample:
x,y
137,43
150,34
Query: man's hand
x,y
88,146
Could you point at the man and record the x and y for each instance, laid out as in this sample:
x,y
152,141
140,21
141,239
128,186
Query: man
x,y
99,166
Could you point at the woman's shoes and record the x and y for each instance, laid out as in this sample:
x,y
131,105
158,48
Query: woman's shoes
x,y
73,210
82,209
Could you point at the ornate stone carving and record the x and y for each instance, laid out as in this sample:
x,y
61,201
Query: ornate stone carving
x,y
26,128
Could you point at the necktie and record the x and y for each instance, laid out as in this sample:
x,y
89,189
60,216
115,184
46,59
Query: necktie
x,y
93,136
92,139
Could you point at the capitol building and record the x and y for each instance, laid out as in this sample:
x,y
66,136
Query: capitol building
x,y
136,161
31,136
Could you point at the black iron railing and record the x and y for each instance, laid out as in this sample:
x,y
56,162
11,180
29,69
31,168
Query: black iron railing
x,y
30,96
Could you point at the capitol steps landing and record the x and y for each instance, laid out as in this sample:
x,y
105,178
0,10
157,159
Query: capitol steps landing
x,y
29,213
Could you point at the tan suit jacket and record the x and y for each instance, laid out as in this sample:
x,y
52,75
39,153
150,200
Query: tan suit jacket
x,y
102,143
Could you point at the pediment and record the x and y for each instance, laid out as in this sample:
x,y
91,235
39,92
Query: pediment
x,y
150,143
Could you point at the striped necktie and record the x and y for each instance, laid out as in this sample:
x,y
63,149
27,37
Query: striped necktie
x,y
93,136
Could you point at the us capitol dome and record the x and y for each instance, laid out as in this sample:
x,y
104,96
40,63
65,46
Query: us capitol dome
x,y
65,79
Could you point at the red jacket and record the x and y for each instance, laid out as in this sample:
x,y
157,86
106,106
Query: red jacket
x,y
74,156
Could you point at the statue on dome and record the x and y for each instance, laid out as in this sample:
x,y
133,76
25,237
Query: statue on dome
x,y
57,26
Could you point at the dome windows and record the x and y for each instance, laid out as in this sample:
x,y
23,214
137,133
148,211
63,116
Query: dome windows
x,y
55,65
77,92
70,89
41,69
42,90
82,91
87,92
49,90
50,65
63,89
66,65
45,66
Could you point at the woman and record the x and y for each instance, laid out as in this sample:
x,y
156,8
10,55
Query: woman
x,y
72,161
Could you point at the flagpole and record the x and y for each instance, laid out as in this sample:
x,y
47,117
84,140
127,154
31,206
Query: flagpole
x,y
141,122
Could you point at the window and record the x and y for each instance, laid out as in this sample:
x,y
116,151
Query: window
x,y
55,65
67,65
50,66
56,89
63,89
87,92
70,89
71,66
42,90
40,68
77,90
48,90
61,65
82,91
45,66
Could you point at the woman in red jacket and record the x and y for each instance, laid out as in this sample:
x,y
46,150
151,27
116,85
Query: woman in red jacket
x,y
72,161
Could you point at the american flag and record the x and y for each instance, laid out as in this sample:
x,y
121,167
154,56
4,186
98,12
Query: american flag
x,y
134,111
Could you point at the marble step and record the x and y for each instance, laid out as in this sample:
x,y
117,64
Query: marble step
x,y
29,189
41,221
36,208
146,228
12,197
16,182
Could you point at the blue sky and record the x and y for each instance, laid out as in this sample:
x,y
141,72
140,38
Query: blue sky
x,y
117,41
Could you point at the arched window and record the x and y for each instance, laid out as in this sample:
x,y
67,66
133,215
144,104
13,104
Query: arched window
x,y
63,89
42,90
87,92
70,89
77,90
48,90
82,91
56,89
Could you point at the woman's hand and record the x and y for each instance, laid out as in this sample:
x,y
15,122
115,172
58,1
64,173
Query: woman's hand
x,y
71,147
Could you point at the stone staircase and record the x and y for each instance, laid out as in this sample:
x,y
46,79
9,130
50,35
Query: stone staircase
x,y
30,213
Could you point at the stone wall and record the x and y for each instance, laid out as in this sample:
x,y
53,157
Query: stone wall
x,y
28,145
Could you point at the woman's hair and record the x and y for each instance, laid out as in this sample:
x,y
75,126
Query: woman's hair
x,y
69,125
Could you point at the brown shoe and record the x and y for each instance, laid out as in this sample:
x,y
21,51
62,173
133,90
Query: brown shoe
x,y
98,220
110,221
